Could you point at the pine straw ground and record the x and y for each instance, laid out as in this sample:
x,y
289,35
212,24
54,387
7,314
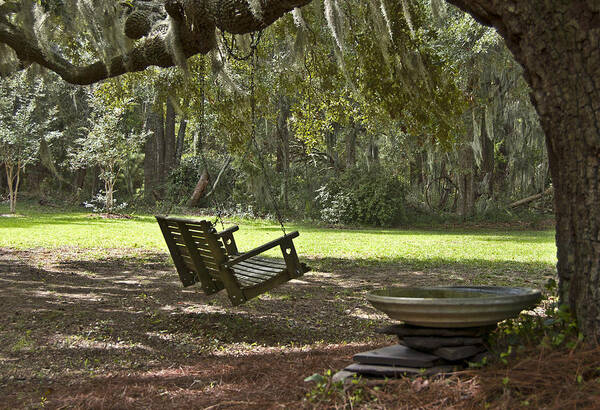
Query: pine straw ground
x,y
114,329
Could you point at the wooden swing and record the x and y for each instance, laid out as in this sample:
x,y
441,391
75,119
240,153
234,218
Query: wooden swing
x,y
201,254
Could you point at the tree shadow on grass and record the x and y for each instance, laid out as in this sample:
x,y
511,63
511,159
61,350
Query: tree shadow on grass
x,y
72,316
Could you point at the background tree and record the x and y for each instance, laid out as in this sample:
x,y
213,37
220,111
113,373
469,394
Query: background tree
x,y
23,124
107,145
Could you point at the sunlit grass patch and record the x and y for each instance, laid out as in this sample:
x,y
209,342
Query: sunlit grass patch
x,y
419,249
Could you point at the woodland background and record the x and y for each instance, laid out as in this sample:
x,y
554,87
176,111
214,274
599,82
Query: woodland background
x,y
365,114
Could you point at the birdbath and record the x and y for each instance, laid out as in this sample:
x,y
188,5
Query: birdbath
x,y
453,307
444,328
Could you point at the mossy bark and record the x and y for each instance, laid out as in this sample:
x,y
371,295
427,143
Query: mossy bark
x,y
558,45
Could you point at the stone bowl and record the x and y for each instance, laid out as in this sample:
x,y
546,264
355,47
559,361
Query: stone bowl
x,y
455,307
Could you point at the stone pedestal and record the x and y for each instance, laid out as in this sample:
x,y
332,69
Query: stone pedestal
x,y
421,351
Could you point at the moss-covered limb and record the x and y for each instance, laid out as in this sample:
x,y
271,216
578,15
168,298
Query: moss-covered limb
x,y
191,30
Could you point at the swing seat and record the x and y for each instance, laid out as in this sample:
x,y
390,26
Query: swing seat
x,y
201,254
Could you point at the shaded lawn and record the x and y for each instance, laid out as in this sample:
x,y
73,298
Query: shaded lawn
x,y
96,326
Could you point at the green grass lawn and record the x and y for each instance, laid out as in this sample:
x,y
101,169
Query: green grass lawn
x,y
418,248
114,305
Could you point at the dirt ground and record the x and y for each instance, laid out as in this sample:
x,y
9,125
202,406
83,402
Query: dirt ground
x,y
115,329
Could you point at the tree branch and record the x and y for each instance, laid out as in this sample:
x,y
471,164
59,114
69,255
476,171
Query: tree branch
x,y
191,31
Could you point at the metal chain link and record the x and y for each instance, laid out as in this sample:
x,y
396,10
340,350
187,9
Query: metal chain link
x,y
230,49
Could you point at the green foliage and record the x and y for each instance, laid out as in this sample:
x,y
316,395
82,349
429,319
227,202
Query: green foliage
x,y
366,198
324,389
108,145
24,119
555,329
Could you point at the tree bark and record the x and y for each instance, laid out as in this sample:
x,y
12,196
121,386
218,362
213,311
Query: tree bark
x,y
558,45
199,189
150,157
351,146
531,198
180,141
11,187
170,142
330,144
487,163
465,182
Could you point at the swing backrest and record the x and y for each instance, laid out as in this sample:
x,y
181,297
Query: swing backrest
x,y
197,251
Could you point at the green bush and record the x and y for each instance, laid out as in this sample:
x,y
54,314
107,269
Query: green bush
x,y
366,198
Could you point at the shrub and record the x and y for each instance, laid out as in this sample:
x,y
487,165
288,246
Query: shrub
x,y
367,198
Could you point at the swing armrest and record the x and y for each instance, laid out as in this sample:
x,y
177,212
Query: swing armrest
x,y
227,231
260,249
228,239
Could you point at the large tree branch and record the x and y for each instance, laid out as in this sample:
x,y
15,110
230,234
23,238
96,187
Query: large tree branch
x,y
191,31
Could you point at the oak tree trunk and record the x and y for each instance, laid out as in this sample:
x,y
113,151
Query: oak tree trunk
x,y
330,144
487,163
351,138
558,45
466,182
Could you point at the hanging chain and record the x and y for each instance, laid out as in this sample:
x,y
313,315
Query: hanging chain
x,y
253,56
253,140
216,204
255,39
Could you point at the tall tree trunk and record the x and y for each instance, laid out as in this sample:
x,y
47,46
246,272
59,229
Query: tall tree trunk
x,y
159,134
11,176
180,141
150,157
558,45
170,146
109,188
487,152
330,144
80,178
13,204
466,182
351,146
